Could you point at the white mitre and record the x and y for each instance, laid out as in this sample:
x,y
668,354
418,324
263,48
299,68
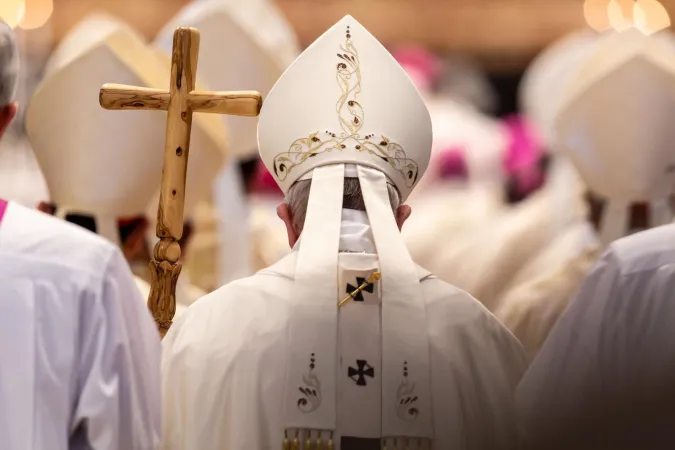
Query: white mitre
x,y
346,104
544,81
84,35
108,164
615,123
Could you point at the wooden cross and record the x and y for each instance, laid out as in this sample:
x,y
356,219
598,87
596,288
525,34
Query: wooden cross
x,y
181,100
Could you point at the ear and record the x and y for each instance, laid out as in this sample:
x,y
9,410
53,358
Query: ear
x,y
402,214
46,208
285,214
7,114
134,245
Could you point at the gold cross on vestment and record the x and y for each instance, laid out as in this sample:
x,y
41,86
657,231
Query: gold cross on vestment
x,y
180,101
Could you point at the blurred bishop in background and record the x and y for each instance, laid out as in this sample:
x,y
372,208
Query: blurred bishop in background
x,y
71,320
104,168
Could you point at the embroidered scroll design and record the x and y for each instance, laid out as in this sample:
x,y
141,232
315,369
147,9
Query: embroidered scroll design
x,y
351,116
406,406
311,390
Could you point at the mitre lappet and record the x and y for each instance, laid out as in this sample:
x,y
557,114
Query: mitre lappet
x,y
345,108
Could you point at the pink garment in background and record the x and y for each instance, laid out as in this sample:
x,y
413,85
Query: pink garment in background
x,y
3,208
452,163
522,158
422,66
264,181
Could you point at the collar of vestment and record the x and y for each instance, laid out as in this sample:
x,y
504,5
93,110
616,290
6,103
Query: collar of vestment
x,y
356,235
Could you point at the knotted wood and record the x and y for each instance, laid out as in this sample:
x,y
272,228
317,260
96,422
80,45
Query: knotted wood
x,y
180,101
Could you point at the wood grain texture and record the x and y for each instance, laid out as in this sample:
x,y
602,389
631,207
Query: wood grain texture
x,y
123,97
178,126
162,300
241,103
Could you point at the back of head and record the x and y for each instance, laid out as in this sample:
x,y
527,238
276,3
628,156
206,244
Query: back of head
x,y
9,64
9,73
615,125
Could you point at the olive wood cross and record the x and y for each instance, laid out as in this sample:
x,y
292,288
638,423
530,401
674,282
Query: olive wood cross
x,y
181,100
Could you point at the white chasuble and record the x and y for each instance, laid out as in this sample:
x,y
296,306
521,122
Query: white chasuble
x,y
79,352
225,357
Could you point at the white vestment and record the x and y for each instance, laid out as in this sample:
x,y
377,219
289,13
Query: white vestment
x,y
224,361
80,353
485,257
564,245
543,288
611,350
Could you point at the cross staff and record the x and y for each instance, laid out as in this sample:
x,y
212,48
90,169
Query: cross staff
x,y
181,100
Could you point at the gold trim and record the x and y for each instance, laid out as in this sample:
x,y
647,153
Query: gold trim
x,y
373,278
351,116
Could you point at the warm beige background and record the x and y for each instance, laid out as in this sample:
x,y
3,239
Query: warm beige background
x,y
503,33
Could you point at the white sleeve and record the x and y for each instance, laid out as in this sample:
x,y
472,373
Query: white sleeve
x,y
180,399
118,375
554,397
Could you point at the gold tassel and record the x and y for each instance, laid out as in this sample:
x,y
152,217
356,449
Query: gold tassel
x,y
286,444
308,441
296,443
319,442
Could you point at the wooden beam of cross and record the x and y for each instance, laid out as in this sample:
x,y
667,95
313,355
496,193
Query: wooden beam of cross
x,y
181,100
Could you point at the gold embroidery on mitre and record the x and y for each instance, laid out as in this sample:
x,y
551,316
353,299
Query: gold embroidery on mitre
x,y
351,116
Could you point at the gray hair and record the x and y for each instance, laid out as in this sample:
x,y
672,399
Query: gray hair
x,y
298,197
9,64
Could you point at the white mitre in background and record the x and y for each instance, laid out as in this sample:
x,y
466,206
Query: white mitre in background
x,y
107,165
622,144
547,77
104,164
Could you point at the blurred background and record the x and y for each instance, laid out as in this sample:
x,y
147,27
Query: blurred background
x,y
486,44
